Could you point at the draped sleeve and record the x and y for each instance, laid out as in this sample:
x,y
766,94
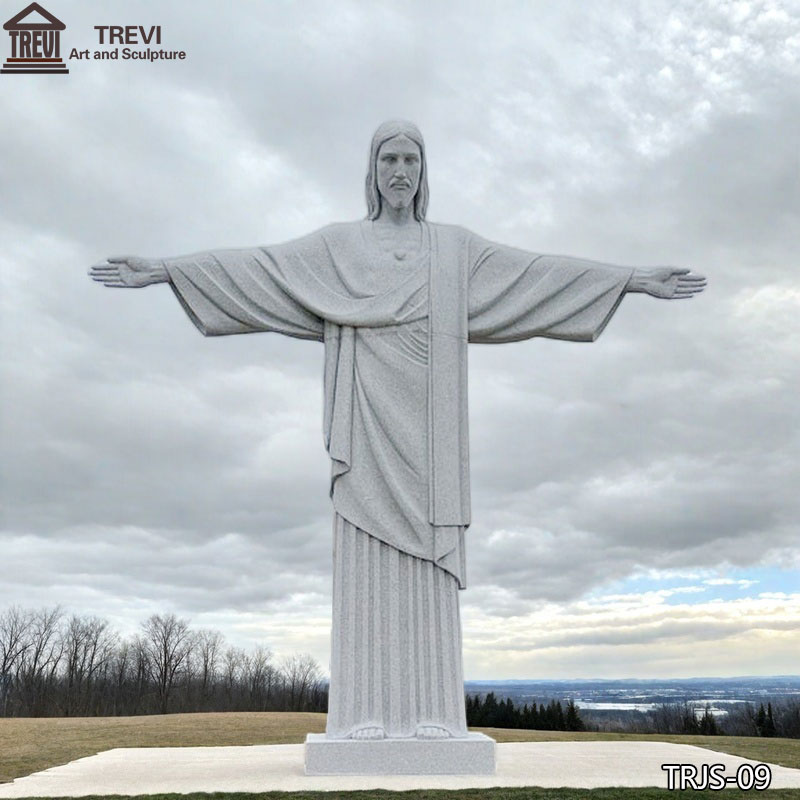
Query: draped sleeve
x,y
296,287
515,295
240,291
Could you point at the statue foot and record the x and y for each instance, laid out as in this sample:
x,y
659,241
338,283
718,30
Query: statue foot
x,y
432,732
368,732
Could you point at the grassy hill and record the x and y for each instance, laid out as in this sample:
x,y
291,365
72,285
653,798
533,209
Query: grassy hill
x,y
29,745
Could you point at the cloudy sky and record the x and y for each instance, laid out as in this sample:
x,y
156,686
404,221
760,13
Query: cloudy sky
x,y
635,501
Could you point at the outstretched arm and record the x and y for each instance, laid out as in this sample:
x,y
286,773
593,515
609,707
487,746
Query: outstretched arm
x,y
222,291
667,283
514,294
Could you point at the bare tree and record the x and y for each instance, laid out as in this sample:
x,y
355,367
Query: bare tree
x,y
75,651
259,676
120,668
141,670
15,624
232,666
301,675
88,648
209,651
168,642
41,659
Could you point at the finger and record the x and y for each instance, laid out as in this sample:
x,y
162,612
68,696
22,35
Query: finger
x,y
689,292
106,278
104,270
118,259
692,279
694,286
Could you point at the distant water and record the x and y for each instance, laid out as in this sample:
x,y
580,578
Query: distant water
x,y
713,705
614,706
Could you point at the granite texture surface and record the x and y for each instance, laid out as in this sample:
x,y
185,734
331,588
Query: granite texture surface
x,y
472,755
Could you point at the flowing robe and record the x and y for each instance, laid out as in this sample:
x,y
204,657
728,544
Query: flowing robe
x,y
395,425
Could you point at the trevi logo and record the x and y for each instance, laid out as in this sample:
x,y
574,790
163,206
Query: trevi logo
x,y
35,42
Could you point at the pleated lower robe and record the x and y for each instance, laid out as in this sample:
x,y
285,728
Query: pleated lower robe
x,y
396,643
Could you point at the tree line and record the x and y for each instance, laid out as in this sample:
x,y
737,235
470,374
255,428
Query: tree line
x,y
780,718
489,712
54,664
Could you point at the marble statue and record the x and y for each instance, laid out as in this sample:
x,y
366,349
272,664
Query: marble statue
x,y
396,299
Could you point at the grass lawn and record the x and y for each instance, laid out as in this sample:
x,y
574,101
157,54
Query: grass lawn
x,y
30,745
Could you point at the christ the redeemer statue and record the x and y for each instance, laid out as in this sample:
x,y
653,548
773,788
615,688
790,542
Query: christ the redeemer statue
x,y
396,300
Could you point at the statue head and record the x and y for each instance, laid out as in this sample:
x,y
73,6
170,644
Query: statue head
x,y
405,134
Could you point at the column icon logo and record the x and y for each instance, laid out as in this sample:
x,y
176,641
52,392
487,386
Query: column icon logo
x,y
35,44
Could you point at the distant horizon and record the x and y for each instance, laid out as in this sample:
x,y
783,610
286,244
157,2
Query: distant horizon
x,y
640,680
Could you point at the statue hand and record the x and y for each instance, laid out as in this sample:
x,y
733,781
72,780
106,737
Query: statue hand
x,y
128,272
671,283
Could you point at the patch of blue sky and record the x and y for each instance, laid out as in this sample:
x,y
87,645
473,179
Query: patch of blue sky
x,y
681,586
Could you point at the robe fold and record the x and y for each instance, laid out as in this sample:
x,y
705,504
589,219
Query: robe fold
x,y
396,335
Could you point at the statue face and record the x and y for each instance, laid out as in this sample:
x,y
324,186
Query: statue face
x,y
399,167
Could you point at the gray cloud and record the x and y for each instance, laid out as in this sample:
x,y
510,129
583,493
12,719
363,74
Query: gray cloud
x,y
140,461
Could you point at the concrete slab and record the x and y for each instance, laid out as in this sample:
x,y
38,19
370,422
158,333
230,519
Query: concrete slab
x,y
280,767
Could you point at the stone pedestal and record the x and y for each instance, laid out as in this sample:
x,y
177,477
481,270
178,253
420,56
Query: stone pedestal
x,y
473,755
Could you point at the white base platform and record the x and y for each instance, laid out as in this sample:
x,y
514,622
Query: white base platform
x,y
473,755
262,768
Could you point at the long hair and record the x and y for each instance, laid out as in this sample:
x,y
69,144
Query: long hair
x,y
388,130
